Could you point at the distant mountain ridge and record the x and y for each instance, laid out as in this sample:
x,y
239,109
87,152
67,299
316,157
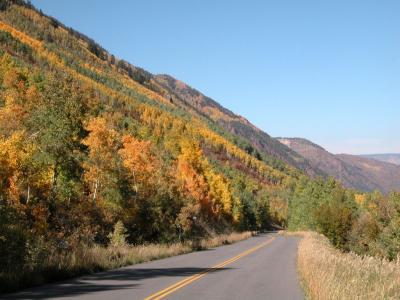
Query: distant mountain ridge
x,y
358,172
393,158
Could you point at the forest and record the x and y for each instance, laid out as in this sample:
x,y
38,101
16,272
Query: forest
x,y
88,151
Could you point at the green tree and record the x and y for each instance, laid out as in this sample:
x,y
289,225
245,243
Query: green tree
x,y
56,124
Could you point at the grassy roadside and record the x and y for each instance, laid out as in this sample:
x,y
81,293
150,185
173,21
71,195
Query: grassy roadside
x,y
86,260
327,273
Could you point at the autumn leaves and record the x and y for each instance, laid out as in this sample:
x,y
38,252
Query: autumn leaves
x,y
111,156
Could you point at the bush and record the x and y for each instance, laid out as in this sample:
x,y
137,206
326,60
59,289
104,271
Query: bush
x,y
12,240
118,237
334,221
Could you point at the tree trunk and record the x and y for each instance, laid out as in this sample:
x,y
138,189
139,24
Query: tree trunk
x,y
28,194
96,185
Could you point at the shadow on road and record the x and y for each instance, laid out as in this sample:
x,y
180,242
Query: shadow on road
x,y
126,278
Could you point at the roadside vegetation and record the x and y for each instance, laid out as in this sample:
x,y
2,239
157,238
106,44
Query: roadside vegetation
x,y
328,273
364,223
56,265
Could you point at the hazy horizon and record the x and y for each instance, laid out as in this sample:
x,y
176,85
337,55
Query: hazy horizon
x,y
328,73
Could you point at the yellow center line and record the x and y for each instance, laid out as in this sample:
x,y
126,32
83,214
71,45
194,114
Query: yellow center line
x,y
180,284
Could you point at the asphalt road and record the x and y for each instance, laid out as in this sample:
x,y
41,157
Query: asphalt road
x,y
262,267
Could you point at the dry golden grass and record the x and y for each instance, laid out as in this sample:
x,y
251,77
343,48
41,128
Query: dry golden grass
x,y
105,258
83,260
225,239
328,273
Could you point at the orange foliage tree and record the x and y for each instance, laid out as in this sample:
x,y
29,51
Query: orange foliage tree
x,y
142,165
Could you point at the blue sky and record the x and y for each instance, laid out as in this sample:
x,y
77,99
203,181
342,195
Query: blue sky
x,y
328,71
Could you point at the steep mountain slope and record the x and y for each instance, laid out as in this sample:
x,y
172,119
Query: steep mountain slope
x,y
385,175
83,130
353,171
393,158
97,152
235,124
101,66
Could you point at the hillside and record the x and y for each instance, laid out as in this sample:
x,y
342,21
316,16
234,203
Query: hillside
x,y
353,171
393,158
235,124
96,152
92,147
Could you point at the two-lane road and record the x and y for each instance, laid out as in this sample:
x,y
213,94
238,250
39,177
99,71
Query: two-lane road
x,y
262,267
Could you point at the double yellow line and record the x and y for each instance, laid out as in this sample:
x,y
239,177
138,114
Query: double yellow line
x,y
180,284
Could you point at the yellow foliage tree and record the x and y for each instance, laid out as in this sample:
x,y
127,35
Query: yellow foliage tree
x,y
102,142
15,158
219,191
198,180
